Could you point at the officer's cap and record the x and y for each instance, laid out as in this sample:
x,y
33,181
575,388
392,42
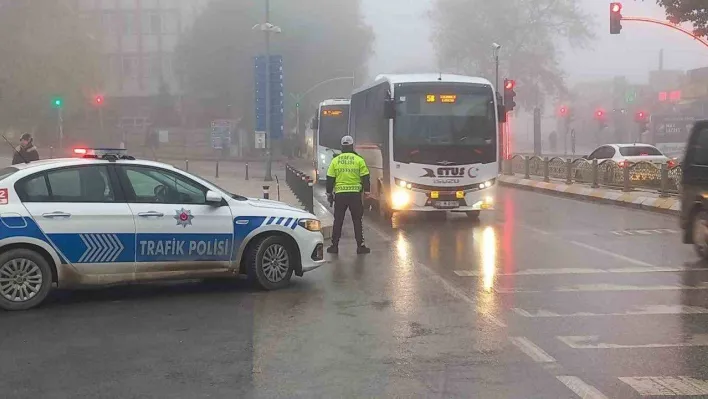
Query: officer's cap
x,y
347,140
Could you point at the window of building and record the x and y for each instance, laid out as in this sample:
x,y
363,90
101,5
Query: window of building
x,y
130,66
129,23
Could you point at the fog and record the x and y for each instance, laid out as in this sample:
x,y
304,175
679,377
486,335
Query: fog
x,y
402,31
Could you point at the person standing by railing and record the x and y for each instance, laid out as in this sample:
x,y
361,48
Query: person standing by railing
x,y
25,152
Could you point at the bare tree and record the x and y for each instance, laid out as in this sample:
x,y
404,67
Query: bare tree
x,y
529,32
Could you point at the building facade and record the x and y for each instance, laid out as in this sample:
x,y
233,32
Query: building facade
x,y
139,40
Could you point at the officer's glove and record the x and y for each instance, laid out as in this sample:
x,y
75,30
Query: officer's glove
x,y
330,199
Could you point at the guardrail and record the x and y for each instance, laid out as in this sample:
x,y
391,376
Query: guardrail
x,y
625,175
302,186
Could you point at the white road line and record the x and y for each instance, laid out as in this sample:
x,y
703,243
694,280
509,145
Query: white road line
x,y
534,352
603,288
448,287
593,342
648,310
580,387
578,270
615,255
667,385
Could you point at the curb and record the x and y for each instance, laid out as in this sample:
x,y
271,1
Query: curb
x,y
635,199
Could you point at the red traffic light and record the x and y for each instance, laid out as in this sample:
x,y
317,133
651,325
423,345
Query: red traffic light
x,y
98,100
563,110
641,116
599,114
616,7
509,84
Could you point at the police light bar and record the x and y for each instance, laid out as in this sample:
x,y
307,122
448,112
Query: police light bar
x,y
117,153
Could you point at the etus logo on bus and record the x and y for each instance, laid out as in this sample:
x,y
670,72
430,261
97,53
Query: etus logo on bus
x,y
450,174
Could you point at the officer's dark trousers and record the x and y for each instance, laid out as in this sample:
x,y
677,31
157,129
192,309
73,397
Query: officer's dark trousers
x,y
354,203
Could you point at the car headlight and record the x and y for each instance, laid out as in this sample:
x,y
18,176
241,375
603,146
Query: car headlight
x,y
486,184
310,224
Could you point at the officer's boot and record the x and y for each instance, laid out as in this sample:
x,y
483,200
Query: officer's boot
x,y
363,249
333,249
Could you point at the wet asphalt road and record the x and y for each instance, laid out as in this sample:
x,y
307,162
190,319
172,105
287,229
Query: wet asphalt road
x,y
545,298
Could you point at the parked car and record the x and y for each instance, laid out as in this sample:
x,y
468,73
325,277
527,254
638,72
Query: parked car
x,y
630,153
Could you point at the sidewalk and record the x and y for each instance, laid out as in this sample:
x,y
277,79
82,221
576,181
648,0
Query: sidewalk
x,y
634,199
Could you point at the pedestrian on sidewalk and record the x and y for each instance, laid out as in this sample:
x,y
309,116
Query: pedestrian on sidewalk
x,y
26,152
347,177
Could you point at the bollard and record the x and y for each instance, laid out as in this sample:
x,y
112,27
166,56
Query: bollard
x,y
277,187
266,192
546,176
51,152
568,171
186,165
594,174
625,175
509,166
310,197
664,189
217,169
527,165
247,171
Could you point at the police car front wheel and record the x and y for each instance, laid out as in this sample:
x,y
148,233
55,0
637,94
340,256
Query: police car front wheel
x,y
271,263
25,279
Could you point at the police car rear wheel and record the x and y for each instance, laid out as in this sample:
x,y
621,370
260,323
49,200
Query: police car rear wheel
x,y
271,263
25,279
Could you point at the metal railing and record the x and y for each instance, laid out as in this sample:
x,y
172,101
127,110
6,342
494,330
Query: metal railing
x,y
627,176
302,186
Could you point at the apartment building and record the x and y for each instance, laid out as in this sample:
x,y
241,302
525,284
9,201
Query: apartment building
x,y
139,40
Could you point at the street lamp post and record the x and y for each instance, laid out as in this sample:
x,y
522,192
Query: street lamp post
x,y
268,28
497,47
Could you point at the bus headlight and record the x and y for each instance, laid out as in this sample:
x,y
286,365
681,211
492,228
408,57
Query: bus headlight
x,y
400,199
486,184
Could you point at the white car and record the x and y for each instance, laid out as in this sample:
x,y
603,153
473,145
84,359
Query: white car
x,y
106,218
630,153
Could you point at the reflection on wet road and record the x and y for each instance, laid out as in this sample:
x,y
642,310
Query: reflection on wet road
x,y
544,298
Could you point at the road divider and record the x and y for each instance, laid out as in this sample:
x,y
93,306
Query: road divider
x,y
639,199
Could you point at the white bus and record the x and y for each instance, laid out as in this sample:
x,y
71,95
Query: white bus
x,y
330,125
430,141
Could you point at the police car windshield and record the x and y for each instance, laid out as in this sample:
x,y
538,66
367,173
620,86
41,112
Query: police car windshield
x,y
6,172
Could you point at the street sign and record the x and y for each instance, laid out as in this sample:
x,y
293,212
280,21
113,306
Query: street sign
x,y
277,108
260,140
221,133
671,132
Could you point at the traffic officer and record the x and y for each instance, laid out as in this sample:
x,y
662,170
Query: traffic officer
x,y
347,177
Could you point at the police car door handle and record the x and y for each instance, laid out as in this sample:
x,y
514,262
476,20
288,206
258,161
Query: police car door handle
x,y
56,214
151,214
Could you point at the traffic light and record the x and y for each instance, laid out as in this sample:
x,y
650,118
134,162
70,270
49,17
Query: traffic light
x,y
563,111
642,119
615,18
600,116
98,100
509,94
57,102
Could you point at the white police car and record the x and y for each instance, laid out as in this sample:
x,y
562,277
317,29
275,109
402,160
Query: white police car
x,y
105,218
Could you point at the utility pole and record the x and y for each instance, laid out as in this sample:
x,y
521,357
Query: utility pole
x,y
61,129
269,140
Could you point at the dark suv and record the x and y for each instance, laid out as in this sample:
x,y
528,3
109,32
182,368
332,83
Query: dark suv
x,y
694,190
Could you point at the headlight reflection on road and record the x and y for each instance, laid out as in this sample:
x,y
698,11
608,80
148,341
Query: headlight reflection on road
x,y
403,248
489,257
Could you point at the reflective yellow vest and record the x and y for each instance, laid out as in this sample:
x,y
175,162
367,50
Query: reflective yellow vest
x,y
347,169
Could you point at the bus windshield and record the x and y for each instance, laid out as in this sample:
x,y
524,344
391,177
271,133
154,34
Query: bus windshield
x,y
334,124
436,122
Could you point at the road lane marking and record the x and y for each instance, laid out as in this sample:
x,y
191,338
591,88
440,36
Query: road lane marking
x,y
447,286
667,385
578,270
593,342
615,255
532,350
643,232
580,387
648,310
603,288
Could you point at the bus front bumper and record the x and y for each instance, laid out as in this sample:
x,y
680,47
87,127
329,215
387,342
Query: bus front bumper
x,y
417,201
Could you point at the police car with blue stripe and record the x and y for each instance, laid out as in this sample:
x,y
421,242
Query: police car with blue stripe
x,y
106,218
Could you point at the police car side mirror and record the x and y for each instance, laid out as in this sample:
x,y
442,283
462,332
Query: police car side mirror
x,y
214,198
